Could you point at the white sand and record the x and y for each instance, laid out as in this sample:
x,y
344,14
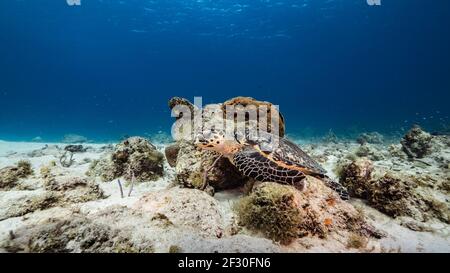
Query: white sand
x,y
399,238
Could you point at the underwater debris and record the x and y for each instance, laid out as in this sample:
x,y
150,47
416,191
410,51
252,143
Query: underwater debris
x,y
357,176
73,139
417,143
371,138
9,176
66,159
171,152
134,156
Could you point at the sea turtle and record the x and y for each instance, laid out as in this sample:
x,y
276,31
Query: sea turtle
x,y
267,158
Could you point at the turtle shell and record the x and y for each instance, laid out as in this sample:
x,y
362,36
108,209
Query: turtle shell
x,y
284,153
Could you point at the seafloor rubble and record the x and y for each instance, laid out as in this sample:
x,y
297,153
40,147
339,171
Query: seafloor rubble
x,y
399,188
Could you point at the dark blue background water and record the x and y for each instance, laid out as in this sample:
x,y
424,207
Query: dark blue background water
x,y
107,68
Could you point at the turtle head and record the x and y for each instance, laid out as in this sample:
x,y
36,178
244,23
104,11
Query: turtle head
x,y
215,140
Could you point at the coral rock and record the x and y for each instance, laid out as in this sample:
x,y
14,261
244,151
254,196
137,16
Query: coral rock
x,y
188,208
246,101
133,156
417,143
283,213
357,176
9,176
193,162
171,153
367,150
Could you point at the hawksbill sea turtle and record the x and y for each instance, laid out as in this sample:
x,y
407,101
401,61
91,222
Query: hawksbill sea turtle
x,y
267,158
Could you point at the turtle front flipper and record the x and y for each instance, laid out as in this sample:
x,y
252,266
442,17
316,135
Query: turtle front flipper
x,y
255,165
336,186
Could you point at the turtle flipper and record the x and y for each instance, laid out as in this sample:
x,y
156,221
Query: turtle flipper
x,y
254,165
336,186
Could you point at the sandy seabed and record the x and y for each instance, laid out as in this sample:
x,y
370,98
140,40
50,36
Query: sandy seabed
x,y
158,216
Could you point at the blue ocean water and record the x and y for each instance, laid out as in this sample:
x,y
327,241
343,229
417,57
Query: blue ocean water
x,y
106,68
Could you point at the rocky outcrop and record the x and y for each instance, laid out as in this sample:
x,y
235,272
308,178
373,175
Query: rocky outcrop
x,y
77,234
171,153
396,194
283,213
19,203
134,157
10,176
356,177
367,150
417,143
186,208
192,163
263,117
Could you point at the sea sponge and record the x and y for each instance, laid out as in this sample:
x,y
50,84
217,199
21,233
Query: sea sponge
x,y
9,176
271,208
417,143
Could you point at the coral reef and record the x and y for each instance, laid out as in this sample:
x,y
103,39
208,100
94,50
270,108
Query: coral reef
x,y
417,143
9,176
134,156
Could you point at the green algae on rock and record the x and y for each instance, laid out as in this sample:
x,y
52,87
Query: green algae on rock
x,y
271,208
